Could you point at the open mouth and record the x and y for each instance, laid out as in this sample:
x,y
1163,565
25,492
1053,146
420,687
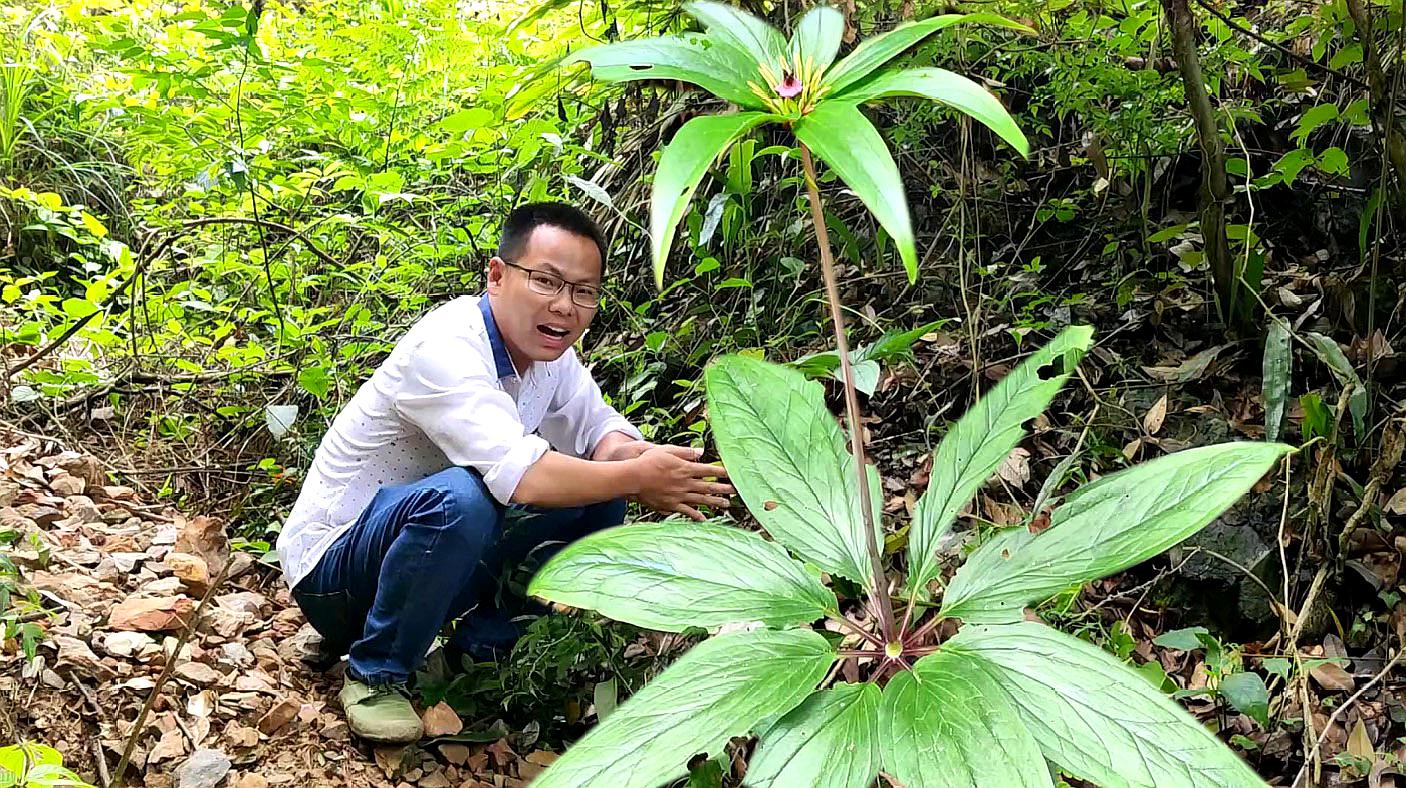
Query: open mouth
x,y
552,332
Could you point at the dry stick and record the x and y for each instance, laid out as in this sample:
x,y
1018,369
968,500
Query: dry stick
x,y
856,434
166,672
1318,740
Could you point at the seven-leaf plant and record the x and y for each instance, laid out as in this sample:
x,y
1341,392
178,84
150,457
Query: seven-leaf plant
x,y
798,84
995,704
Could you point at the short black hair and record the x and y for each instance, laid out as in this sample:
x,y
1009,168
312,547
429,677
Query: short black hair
x,y
522,220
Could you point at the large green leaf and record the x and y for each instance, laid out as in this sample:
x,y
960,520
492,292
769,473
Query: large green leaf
x,y
692,58
830,741
874,52
787,458
1104,527
721,688
742,32
816,39
980,440
681,167
673,575
1095,717
947,723
954,90
846,140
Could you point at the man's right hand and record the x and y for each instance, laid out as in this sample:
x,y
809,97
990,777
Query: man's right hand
x,y
671,480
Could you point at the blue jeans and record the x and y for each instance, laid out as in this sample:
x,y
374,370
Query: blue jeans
x,y
423,555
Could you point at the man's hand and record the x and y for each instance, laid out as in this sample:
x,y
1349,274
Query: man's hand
x,y
614,451
672,481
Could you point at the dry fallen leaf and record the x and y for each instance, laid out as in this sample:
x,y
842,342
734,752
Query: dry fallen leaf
x,y
1358,743
1332,678
1397,504
1015,468
1152,420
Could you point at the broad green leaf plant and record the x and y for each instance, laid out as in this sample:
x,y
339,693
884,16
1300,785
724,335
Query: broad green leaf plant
x,y
798,84
971,690
958,685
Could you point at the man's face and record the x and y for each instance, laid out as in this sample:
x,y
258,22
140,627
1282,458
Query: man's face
x,y
537,326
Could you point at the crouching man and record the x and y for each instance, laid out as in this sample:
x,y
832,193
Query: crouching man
x,y
480,440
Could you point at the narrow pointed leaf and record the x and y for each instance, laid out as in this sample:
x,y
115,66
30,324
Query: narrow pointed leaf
x,y
740,31
816,39
980,440
875,51
940,85
693,58
681,167
721,688
1278,366
829,741
947,723
1105,527
1095,717
845,140
786,456
670,576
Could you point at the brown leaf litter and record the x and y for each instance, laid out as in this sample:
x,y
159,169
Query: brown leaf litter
x,y
118,581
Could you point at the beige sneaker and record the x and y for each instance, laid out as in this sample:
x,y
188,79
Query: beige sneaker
x,y
381,714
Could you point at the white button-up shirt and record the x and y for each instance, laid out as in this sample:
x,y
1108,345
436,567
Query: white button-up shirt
x,y
446,396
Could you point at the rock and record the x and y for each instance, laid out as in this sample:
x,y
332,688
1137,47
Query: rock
x,y
190,570
336,730
435,779
440,720
162,586
236,655
241,735
75,655
67,484
83,508
254,681
70,586
116,492
12,519
85,467
125,645
239,565
304,646
9,491
456,754
251,781
127,562
203,769
205,537
280,715
198,673
151,615
227,623
243,602
51,679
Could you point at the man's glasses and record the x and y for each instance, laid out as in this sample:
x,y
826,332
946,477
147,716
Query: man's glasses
x,y
549,284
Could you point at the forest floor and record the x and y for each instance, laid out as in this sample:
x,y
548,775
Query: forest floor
x,y
123,583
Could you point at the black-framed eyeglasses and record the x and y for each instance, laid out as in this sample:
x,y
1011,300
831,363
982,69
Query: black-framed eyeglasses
x,y
549,284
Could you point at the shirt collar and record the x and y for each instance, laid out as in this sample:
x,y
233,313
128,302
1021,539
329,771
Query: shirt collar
x,y
501,360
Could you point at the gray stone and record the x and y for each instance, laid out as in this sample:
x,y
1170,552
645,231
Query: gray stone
x,y
203,769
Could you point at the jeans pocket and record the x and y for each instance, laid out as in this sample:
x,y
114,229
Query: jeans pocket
x,y
331,615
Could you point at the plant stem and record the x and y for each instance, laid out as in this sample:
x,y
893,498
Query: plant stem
x,y
922,631
879,590
858,630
